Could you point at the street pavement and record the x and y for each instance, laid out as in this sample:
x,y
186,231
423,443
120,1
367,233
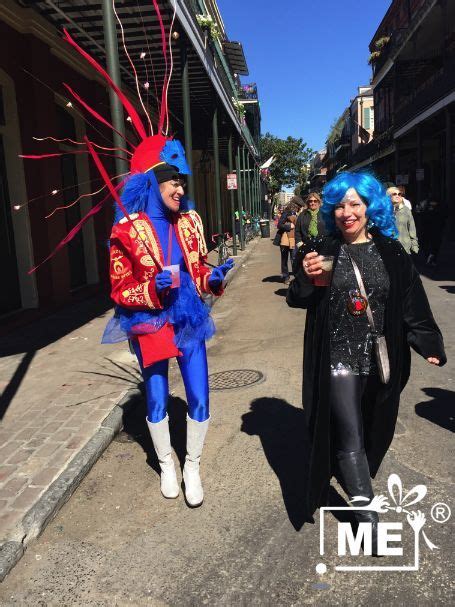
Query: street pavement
x,y
60,391
118,542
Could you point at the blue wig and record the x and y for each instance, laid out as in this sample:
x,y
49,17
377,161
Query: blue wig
x,y
371,191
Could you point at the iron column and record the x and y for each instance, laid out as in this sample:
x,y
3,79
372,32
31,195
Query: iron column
x,y
113,68
216,159
240,190
187,116
231,196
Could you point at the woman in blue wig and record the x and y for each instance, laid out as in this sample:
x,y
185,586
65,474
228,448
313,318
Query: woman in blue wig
x,y
365,306
158,275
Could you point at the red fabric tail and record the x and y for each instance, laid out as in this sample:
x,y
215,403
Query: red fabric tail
x,y
135,119
77,227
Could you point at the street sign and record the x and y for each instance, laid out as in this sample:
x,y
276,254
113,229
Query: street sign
x,y
231,181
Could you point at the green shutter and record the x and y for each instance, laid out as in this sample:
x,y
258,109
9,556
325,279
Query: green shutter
x,y
366,118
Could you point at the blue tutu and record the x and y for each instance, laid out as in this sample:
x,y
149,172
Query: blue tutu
x,y
184,309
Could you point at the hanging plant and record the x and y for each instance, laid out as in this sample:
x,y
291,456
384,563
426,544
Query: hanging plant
x,y
382,42
209,25
374,56
239,108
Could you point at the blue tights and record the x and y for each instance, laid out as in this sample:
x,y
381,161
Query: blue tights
x,y
194,370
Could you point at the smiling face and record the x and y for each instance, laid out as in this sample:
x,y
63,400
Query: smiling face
x,y
350,216
171,193
313,202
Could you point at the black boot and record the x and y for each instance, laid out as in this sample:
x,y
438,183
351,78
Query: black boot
x,y
355,479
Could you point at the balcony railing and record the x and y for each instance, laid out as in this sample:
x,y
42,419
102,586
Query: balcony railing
x,y
396,40
197,7
373,147
399,36
247,92
438,86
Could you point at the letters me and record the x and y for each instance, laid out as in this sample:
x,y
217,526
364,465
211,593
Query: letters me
x,y
363,535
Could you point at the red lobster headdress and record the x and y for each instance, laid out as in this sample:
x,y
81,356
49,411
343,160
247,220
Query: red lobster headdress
x,y
153,151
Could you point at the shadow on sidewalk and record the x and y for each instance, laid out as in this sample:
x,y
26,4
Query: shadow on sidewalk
x,y
135,427
275,278
281,428
445,268
440,410
281,292
39,334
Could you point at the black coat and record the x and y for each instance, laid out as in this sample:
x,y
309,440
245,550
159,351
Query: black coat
x,y
302,225
408,322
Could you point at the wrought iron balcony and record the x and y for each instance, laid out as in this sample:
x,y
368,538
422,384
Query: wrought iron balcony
x,y
375,146
232,88
399,36
436,87
247,92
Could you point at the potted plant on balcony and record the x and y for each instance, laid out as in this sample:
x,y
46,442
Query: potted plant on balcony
x,y
379,45
209,27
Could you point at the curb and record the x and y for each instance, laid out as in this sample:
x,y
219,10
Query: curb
x,y
58,493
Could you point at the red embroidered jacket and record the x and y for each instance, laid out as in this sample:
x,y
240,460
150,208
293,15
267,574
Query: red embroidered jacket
x,y
133,270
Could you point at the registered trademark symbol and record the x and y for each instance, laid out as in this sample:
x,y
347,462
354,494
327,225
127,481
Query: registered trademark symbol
x,y
440,512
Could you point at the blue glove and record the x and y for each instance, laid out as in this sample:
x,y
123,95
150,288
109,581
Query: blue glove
x,y
163,280
218,274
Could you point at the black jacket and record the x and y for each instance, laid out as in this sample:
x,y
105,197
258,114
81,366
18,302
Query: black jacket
x,y
408,322
302,225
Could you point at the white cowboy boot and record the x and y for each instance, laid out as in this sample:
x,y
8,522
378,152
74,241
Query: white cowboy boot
x,y
162,443
195,436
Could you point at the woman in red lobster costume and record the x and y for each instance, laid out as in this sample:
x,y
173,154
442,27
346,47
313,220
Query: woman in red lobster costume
x,y
158,275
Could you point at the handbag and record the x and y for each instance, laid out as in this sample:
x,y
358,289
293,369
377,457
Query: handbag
x,y
380,344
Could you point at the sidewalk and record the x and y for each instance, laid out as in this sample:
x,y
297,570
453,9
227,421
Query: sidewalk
x,y
62,401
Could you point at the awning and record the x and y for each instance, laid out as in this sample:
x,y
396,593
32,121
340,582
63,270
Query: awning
x,y
236,57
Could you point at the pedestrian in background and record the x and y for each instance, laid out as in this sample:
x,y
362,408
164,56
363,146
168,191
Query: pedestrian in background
x,y
285,236
404,220
310,223
350,407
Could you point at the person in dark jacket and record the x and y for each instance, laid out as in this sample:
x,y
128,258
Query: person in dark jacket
x,y
350,413
310,223
285,236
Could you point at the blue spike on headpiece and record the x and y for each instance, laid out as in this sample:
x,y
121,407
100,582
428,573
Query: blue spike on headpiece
x,y
174,154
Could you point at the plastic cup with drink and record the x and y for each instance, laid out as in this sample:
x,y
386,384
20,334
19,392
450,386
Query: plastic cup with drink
x,y
175,275
323,280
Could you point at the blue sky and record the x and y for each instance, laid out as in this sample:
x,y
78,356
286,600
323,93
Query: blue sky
x,y
307,57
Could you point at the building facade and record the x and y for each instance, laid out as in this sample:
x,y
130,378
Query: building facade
x,y
205,96
413,60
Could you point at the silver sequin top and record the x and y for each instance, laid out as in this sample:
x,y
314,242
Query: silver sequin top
x,y
350,336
